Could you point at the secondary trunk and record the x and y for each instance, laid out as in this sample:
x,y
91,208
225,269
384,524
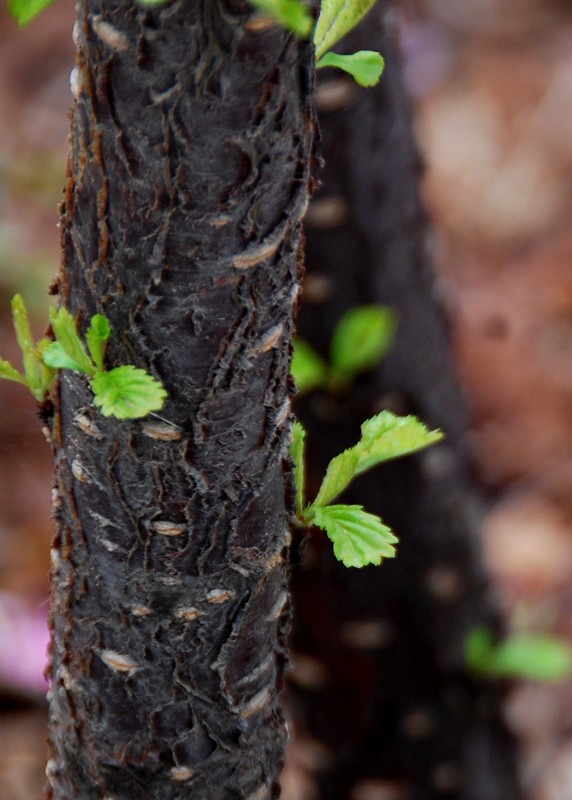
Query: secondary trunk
x,y
192,133
381,687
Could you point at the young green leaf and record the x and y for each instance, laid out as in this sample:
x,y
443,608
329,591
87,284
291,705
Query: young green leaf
x,y
538,657
365,66
478,649
33,367
337,17
359,538
533,656
387,436
297,453
24,11
55,356
361,338
97,335
10,373
340,473
292,14
64,327
46,372
384,437
309,369
127,392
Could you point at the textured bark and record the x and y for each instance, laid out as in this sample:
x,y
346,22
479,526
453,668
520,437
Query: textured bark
x,y
191,139
381,682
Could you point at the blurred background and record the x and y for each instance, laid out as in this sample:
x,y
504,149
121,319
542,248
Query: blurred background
x,y
491,81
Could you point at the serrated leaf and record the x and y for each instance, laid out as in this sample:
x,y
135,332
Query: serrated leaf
x,y
537,657
309,369
361,338
337,17
10,373
387,436
127,392
292,14
96,337
64,327
359,538
55,356
33,367
341,471
365,66
24,11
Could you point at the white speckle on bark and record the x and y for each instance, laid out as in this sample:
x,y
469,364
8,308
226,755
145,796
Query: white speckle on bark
x,y
181,773
187,613
167,528
85,425
256,703
78,471
114,39
267,341
162,431
282,413
141,611
76,83
75,34
118,662
219,596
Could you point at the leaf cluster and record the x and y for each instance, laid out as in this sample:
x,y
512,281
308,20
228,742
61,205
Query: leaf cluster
x,y
359,538
532,656
360,340
335,20
125,392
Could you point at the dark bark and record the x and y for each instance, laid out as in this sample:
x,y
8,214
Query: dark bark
x,y
387,693
191,144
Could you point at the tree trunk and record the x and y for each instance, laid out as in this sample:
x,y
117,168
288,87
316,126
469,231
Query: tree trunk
x,y
192,132
384,703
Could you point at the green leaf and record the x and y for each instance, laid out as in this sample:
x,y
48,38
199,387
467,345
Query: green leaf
x,y
341,471
537,657
10,373
292,14
127,392
24,11
23,334
365,66
361,338
309,369
33,367
97,335
384,437
151,3
64,327
56,357
337,17
478,648
532,656
297,453
387,436
359,538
